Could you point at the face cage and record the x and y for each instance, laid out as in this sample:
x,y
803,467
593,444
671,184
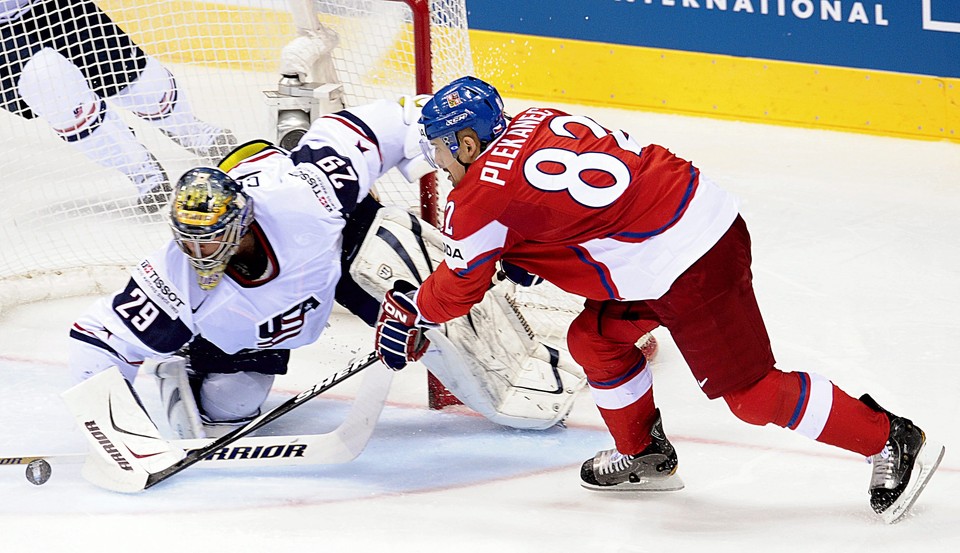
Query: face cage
x,y
210,268
430,151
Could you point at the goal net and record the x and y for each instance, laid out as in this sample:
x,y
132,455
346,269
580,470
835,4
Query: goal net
x,y
70,223
66,212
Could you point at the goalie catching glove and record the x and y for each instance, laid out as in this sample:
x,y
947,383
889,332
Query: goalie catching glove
x,y
400,337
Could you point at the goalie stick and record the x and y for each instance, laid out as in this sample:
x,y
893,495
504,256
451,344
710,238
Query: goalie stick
x,y
340,445
128,455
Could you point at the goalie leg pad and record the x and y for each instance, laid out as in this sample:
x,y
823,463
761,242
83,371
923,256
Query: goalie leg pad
x,y
492,363
398,246
125,444
542,404
487,359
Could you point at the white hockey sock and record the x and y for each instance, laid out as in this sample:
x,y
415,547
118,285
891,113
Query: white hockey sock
x,y
157,98
56,90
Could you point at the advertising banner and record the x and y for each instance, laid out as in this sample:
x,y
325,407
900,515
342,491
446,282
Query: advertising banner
x,y
905,36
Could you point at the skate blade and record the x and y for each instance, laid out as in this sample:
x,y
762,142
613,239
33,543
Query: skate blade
x,y
928,459
671,483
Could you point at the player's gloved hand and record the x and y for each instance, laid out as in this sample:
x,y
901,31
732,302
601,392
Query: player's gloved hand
x,y
517,275
400,338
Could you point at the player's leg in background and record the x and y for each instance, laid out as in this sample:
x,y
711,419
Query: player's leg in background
x,y
57,91
122,72
156,97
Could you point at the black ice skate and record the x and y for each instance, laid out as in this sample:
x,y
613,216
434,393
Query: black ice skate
x,y
903,468
653,469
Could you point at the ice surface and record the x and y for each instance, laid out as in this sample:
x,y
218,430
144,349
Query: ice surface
x,y
856,260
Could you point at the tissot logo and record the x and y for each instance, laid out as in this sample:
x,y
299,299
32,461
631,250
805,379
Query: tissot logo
x,y
161,288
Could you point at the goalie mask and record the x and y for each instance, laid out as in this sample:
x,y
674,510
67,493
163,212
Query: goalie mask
x,y
209,215
466,103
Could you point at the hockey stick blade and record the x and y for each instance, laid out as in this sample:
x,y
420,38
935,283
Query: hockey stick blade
x,y
197,455
55,458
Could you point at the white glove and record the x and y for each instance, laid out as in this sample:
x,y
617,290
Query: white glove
x,y
301,54
412,106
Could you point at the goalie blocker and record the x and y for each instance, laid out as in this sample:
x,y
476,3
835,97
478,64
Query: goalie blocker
x,y
489,359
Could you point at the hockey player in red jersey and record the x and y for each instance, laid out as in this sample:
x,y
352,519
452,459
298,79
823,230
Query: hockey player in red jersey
x,y
647,241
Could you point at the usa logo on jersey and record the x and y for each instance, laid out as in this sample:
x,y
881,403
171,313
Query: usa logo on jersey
x,y
283,326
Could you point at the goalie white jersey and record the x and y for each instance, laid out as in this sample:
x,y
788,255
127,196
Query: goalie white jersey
x,y
300,199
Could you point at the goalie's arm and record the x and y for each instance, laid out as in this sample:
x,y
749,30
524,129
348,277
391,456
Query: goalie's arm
x,y
123,329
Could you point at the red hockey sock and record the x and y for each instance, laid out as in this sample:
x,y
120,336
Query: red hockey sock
x,y
854,426
630,426
627,407
811,405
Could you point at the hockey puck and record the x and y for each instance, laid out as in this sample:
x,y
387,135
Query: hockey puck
x,y
38,471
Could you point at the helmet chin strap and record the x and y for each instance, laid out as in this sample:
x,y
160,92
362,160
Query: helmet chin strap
x,y
457,157
466,166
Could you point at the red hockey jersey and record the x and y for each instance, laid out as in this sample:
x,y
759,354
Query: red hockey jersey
x,y
579,205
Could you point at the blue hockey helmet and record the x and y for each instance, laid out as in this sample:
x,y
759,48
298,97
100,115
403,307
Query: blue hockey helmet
x,y
466,103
